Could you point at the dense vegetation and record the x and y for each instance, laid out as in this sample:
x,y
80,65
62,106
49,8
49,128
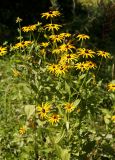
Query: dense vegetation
x,y
57,92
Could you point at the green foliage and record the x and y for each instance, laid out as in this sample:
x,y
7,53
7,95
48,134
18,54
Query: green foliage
x,y
54,104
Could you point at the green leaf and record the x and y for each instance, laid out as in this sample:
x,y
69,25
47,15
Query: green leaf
x,y
67,88
59,136
105,111
29,110
76,102
82,76
67,125
65,155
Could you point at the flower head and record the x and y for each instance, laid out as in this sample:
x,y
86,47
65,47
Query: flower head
x,y
113,118
69,107
61,69
44,44
85,53
56,51
103,54
90,65
66,58
56,38
65,35
111,86
3,51
54,118
52,68
22,130
29,28
43,110
80,66
22,44
52,27
82,37
51,14
18,20
85,66
67,47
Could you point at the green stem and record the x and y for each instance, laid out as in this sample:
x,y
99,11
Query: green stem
x,y
99,66
35,137
81,45
83,81
20,33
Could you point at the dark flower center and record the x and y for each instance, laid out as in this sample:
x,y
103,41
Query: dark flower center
x,y
69,106
55,117
43,110
86,51
61,68
67,46
68,56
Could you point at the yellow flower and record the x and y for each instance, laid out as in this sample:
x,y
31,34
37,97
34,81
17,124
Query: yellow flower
x,y
3,51
25,29
18,20
85,53
27,43
82,37
33,27
84,66
43,110
67,58
54,118
52,68
69,107
52,27
113,118
56,51
22,130
111,86
65,35
67,47
44,44
21,45
61,69
103,54
58,69
29,28
51,14
89,65
80,66
17,46
56,38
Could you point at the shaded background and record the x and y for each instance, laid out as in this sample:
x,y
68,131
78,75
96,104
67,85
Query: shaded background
x,y
97,20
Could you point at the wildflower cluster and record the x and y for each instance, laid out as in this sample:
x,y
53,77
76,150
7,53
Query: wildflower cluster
x,y
3,51
56,87
21,45
29,28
